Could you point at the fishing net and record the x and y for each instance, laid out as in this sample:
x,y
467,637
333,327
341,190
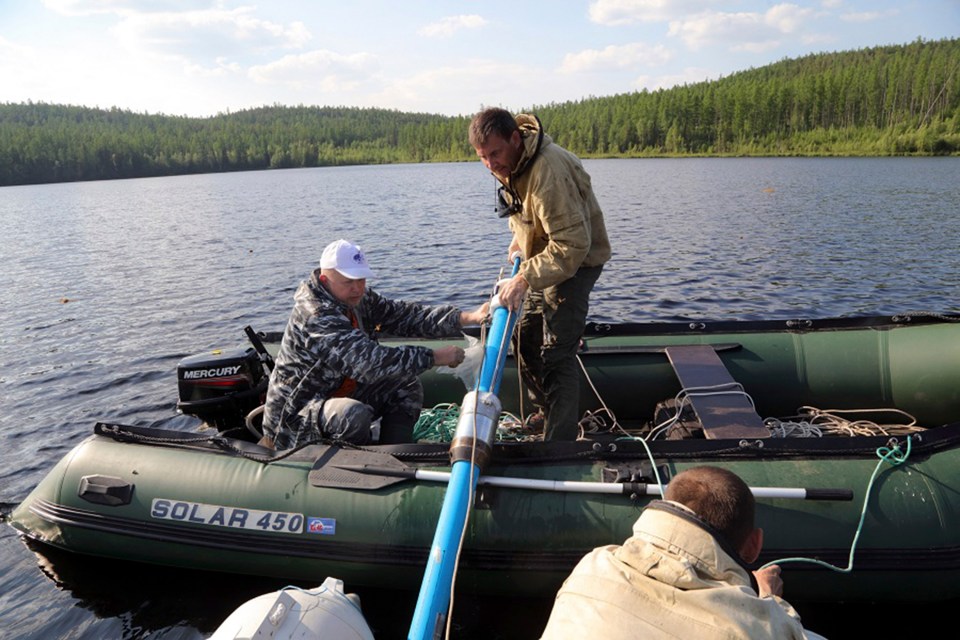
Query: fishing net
x,y
439,424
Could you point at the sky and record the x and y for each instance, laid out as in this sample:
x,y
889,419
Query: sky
x,y
200,58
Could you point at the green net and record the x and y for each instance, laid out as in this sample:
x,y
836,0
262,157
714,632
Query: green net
x,y
439,424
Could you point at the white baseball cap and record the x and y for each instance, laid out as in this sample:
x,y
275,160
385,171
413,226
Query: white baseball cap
x,y
347,259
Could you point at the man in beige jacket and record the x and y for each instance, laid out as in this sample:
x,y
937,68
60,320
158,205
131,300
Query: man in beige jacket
x,y
558,229
682,574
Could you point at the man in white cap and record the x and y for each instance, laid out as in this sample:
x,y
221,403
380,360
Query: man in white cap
x,y
332,378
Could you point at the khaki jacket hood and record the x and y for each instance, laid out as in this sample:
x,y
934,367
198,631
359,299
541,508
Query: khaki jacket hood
x,y
534,138
696,559
560,226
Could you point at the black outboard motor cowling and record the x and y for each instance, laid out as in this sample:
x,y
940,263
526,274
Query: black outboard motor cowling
x,y
221,387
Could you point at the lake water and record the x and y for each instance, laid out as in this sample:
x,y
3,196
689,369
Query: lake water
x,y
106,286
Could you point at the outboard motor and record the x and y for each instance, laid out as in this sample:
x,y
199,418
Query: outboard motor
x,y
222,387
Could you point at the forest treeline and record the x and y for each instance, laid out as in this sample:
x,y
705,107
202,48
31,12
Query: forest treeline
x,y
891,100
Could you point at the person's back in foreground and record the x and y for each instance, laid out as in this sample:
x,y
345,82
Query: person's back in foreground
x,y
682,574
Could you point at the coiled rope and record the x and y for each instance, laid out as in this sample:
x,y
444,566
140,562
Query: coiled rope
x,y
811,422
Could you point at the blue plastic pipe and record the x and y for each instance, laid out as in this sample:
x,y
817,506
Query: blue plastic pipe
x,y
498,341
429,618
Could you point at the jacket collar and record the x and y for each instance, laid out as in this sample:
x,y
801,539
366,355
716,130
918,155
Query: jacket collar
x,y
673,527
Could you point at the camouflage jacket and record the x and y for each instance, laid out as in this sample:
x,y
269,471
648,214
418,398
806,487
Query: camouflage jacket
x,y
321,348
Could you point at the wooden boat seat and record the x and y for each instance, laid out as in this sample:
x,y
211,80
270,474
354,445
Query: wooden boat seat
x,y
724,415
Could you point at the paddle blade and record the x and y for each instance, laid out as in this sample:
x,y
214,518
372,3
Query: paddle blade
x,y
340,468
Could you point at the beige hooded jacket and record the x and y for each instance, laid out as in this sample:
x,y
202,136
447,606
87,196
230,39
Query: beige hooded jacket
x,y
560,227
671,579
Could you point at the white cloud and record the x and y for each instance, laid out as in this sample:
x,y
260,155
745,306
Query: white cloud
x,y
327,70
689,75
787,18
221,68
756,47
85,7
710,27
192,31
92,77
94,7
209,34
201,56
615,57
623,12
446,27
10,49
20,73
458,89
746,31
818,39
467,87
869,16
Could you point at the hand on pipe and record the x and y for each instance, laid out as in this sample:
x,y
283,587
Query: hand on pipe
x,y
512,291
514,251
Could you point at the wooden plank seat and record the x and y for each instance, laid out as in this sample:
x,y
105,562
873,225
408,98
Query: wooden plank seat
x,y
724,415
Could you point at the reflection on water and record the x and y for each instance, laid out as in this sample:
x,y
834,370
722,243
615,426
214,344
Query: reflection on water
x,y
128,600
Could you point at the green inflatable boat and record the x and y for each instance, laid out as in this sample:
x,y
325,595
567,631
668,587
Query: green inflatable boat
x,y
818,407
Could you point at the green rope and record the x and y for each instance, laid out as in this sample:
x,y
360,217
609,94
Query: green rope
x,y
439,424
892,456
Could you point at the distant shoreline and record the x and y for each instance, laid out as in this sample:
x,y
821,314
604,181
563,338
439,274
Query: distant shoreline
x,y
891,101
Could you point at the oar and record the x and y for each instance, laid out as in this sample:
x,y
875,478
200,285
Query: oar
x,y
579,486
470,450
